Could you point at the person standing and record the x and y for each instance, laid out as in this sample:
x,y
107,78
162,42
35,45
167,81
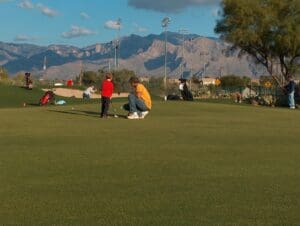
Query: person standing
x,y
290,89
139,101
106,95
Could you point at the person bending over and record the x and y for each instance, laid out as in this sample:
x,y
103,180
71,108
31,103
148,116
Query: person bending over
x,y
139,101
87,94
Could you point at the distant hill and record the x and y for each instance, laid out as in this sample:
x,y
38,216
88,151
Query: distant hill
x,y
144,55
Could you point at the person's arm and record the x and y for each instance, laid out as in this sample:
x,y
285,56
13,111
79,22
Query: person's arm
x,y
181,86
138,92
138,95
112,90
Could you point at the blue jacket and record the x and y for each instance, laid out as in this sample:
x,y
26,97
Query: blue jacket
x,y
290,87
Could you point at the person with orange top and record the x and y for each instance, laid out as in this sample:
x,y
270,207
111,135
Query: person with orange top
x,y
139,101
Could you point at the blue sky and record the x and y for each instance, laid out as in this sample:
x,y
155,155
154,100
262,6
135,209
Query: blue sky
x,y
86,22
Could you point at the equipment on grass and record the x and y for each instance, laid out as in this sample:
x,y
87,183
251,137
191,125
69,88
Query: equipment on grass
x,y
48,97
60,102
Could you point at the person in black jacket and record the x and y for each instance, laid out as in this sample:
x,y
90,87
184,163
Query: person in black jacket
x,y
185,93
290,90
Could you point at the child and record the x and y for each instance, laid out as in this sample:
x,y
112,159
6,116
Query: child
x,y
88,92
106,94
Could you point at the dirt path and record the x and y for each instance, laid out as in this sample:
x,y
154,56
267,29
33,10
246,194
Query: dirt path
x,y
64,92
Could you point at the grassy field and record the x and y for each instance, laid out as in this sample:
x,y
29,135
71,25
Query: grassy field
x,y
185,164
15,97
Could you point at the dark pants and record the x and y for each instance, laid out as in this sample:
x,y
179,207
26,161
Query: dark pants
x,y
105,101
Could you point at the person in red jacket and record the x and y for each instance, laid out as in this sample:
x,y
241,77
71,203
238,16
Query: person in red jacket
x,y
106,94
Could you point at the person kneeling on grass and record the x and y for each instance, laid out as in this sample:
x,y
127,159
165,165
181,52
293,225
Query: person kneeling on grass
x,y
139,102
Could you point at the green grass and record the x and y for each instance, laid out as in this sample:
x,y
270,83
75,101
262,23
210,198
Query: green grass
x,y
185,164
15,97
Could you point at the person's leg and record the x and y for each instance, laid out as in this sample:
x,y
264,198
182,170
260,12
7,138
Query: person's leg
x,y
291,100
137,107
126,107
136,104
141,106
132,103
106,106
102,106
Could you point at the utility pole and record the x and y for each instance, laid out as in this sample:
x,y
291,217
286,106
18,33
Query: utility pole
x,y
81,74
183,32
45,67
117,44
165,23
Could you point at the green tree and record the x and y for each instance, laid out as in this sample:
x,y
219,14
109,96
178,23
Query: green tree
x,y
19,79
121,80
234,81
89,78
269,30
265,79
3,73
156,85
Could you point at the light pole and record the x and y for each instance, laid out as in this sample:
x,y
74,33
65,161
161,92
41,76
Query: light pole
x,y
183,32
81,73
117,45
45,67
165,23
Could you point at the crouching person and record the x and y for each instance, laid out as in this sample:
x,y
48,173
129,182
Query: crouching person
x,y
87,94
139,101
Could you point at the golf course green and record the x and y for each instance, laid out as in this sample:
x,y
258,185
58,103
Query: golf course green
x,y
187,163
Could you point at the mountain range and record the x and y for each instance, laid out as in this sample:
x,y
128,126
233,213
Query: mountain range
x,y
187,55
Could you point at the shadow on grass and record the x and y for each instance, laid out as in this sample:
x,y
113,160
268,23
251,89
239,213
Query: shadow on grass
x,y
87,113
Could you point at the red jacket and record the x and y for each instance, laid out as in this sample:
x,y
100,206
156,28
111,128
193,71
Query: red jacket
x,y
107,88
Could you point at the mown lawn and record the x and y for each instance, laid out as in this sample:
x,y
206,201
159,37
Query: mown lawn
x,y
15,97
185,164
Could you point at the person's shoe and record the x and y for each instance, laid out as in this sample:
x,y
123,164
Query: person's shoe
x,y
133,115
144,114
292,108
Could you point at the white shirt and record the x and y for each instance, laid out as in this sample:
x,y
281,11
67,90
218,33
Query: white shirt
x,y
89,91
181,85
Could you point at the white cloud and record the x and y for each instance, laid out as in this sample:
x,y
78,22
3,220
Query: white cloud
x,y
24,38
139,29
170,7
84,16
46,10
76,32
114,25
26,4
